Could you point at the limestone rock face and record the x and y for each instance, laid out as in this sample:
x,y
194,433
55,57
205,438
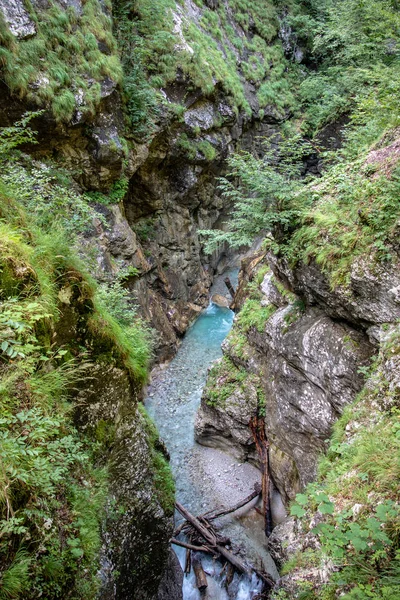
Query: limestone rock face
x,y
17,18
139,516
171,584
303,362
311,373
372,296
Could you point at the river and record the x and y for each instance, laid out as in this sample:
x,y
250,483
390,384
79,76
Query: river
x,y
205,478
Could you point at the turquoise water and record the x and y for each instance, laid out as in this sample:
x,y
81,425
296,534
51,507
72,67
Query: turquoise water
x,y
174,396
172,400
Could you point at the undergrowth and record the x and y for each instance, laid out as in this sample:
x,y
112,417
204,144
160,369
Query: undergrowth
x,y
229,46
224,378
53,485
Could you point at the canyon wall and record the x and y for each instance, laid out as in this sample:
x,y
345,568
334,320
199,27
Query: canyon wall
x,y
150,188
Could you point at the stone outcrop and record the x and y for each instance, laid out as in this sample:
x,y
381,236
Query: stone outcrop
x,y
139,516
372,296
306,365
171,584
17,18
137,525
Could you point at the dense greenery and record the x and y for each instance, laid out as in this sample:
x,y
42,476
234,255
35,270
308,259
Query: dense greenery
x,y
232,45
352,210
53,481
62,65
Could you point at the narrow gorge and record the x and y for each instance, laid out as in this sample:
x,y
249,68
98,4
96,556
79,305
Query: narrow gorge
x,y
148,150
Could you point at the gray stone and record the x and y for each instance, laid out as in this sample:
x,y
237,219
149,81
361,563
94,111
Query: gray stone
x,y
135,548
17,18
75,4
201,115
307,366
171,584
271,293
370,298
220,300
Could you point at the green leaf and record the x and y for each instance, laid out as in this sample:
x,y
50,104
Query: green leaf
x,y
297,511
301,499
326,508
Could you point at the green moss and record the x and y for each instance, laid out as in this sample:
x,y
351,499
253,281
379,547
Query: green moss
x,y
164,485
253,314
152,55
192,147
352,214
62,59
238,343
223,380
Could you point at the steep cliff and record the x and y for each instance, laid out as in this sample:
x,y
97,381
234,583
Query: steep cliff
x,y
87,487
315,340
133,109
136,107
148,134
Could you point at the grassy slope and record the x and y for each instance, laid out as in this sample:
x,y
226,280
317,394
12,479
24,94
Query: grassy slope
x,y
232,46
53,480
63,64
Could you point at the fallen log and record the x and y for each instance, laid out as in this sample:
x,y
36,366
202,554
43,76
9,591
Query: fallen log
x,y
201,578
212,540
230,287
211,516
188,561
191,546
229,575
212,545
204,532
257,427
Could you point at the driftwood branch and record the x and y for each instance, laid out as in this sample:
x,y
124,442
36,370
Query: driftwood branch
x,y
214,515
200,527
201,578
191,546
257,427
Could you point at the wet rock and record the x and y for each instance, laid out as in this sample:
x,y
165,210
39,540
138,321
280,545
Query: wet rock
x,y
225,424
172,581
220,300
135,546
307,365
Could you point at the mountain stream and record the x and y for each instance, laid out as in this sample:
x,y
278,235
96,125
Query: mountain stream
x,y
206,478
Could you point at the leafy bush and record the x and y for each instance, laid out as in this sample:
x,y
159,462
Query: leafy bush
x,y
52,491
